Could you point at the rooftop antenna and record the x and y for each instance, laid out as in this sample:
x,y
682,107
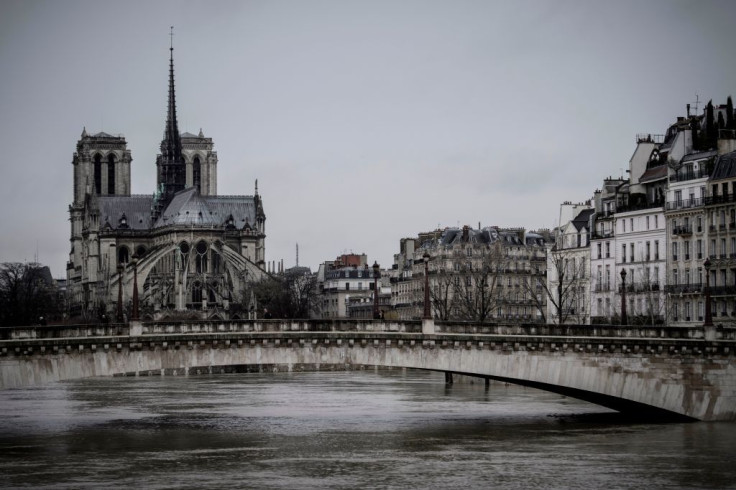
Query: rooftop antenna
x,y
697,101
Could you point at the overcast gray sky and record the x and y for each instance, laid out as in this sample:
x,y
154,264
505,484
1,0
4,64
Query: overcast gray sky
x,y
363,121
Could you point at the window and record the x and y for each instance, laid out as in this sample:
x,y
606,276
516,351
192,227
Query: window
x,y
599,250
649,251
632,252
123,255
678,198
656,221
647,222
631,223
686,249
623,225
656,249
623,253
608,250
674,250
111,174
723,247
674,277
699,248
197,174
98,174
713,247
608,277
347,286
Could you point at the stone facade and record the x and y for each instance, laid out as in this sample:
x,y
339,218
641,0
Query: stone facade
x,y
182,247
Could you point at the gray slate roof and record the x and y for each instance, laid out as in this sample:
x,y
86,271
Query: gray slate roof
x,y
725,167
137,210
189,208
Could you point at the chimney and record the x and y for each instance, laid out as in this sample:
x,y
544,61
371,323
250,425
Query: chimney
x,y
688,110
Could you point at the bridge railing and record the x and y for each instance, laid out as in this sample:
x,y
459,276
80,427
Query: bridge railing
x,y
616,331
64,331
245,326
361,326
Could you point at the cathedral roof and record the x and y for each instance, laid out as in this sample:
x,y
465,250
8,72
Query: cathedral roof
x,y
188,207
137,211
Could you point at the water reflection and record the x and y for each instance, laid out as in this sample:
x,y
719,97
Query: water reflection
x,y
341,429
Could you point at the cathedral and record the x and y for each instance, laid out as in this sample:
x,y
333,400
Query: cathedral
x,y
182,251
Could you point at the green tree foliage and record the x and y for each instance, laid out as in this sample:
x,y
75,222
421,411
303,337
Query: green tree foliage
x,y
27,294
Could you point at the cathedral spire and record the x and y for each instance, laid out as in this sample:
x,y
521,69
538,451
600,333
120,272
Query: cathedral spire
x,y
171,172
171,145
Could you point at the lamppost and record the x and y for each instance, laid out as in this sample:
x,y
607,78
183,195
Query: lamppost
x,y
119,314
624,318
134,315
427,311
708,316
376,290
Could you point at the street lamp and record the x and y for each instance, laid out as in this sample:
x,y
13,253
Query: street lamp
x,y
119,314
427,312
708,315
624,318
376,289
134,315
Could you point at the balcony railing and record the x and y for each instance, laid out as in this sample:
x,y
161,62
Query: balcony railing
x,y
721,199
723,290
639,206
682,230
684,203
692,288
650,138
685,175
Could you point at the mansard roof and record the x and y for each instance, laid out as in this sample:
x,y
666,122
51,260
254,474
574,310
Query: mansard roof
x,y
582,220
654,174
188,207
137,211
725,167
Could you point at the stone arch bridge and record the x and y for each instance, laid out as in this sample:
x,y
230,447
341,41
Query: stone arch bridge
x,y
668,372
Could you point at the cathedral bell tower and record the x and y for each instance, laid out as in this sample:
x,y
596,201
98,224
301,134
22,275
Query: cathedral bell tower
x,y
170,165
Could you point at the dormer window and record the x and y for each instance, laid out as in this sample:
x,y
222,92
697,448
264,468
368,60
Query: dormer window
x,y
123,222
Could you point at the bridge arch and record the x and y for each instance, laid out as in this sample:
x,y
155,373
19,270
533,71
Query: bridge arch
x,y
688,378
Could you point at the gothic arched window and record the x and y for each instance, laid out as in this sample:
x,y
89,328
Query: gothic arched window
x,y
197,292
98,174
197,174
111,174
201,257
123,255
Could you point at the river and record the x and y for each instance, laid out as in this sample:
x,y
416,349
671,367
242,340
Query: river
x,y
367,429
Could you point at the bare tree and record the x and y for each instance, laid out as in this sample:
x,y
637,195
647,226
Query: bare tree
x,y
27,294
647,288
565,288
478,294
441,294
292,294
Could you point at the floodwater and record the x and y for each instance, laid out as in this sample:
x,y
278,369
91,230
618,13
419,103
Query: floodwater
x,y
364,429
